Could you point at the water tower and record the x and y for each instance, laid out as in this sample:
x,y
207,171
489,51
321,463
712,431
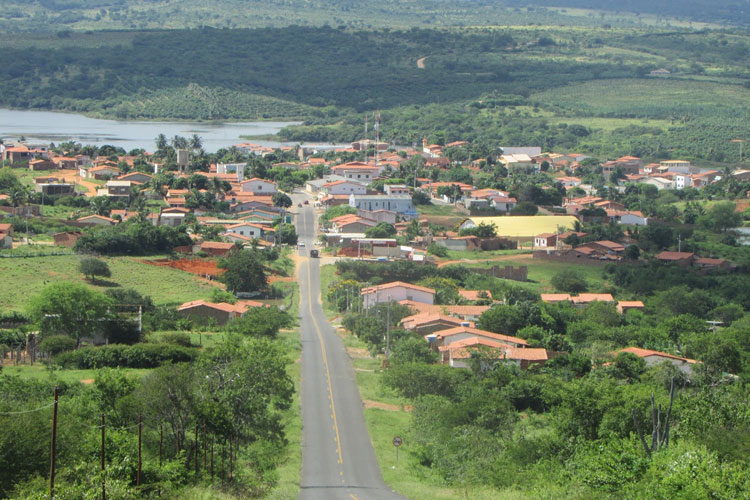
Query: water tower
x,y
183,160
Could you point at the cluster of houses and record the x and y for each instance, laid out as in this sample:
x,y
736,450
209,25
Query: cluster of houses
x,y
450,330
667,174
250,205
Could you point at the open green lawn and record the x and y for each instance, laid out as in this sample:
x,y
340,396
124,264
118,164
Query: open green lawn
x,y
41,371
22,278
542,271
441,210
646,97
610,124
480,254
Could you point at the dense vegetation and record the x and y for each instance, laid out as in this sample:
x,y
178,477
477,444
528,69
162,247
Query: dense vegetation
x,y
570,428
59,15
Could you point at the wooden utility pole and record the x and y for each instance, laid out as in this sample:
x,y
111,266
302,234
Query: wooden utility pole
x,y
205,445
53,444
212,457
161,440
104,480
140,442
196,447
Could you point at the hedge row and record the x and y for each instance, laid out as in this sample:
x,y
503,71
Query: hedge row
x,y
125,356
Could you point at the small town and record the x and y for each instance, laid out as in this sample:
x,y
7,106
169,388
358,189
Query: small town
x,y
337,250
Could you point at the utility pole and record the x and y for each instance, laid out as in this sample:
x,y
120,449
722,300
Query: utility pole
x,y
388,330
104,480
161,440
140,443
205,445
53,445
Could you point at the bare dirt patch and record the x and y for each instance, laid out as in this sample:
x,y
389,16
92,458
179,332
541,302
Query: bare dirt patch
x,y
420,62
357,352
385,406
200,267
87,381
520,256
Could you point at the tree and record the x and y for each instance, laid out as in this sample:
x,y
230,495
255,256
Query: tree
x,y
381,230
70,309
483,230
281,200
286,234
569,281
244,272
525,208
413,350
721,217
628,366
93,268
55,344
261,322
632,252
421,197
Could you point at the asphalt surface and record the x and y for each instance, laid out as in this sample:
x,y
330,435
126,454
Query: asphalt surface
x,y
338,461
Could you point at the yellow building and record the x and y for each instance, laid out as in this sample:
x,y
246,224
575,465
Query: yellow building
x,y
523,228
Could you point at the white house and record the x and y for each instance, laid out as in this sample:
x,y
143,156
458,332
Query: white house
x,y
344,187
659,182
685,365
396,189
503,204
258,186
459,333
247,229
397,291
357,171
401,204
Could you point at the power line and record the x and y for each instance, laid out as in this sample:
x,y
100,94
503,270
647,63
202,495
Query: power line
x,y
26,411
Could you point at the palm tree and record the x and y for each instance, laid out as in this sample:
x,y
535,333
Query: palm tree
x,y
179,142
19,196
161,142
196,142
216,186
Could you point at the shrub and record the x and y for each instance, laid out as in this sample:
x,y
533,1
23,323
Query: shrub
x,y
437,250
55,344
569,281
125,356
176,338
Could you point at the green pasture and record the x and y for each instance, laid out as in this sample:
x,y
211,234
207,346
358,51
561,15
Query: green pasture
x,y
24,277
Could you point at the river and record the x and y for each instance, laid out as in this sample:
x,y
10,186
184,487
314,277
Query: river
x,y
47,126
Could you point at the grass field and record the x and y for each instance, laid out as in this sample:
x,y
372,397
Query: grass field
x,y
656,98
40,371
25,277
610,124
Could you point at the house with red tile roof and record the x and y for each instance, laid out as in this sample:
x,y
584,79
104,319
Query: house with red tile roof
x,y
682,259
425,323
459,333
685,365
6,235
397,291
624,306
219,313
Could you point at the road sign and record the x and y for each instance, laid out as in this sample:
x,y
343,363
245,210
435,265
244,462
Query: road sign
x,y
397,441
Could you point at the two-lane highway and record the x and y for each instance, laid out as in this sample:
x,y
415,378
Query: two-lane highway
x,y
338,461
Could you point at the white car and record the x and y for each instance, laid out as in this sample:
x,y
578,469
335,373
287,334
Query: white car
x,y
301,244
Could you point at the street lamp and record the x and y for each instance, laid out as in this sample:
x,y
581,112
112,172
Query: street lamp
x,y
742,142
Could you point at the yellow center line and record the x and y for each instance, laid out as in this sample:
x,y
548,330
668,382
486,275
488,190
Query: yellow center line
x,y
325,363
353,496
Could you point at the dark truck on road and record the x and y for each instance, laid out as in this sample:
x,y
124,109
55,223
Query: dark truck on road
x,y
313,253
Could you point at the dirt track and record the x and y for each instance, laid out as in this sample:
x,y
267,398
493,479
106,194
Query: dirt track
x,y
522,256
72,176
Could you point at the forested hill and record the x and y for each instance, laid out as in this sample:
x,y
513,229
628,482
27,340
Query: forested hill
x,y
60,15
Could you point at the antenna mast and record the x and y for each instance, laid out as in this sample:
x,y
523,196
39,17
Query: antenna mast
x,y
365,141
377,137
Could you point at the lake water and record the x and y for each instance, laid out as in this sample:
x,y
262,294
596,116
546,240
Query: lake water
x,y
47,126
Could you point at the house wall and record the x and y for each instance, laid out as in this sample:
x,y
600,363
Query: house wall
x,y
204,314
683,366
397,294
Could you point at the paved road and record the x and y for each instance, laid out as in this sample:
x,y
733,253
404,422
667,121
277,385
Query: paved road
x,y
338,461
